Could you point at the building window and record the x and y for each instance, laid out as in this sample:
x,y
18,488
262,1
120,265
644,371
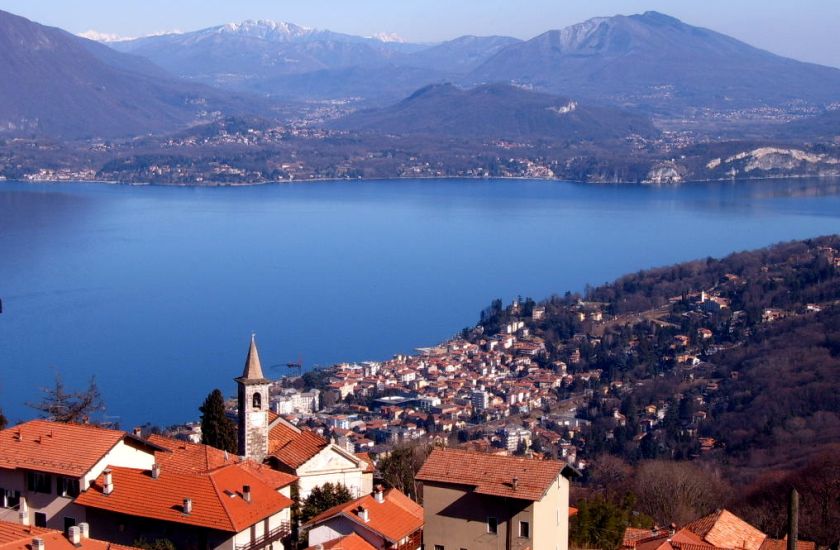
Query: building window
x,y
257,401
438,547
492,525
524,529
9,498
66,487
38,482
40,519
68,523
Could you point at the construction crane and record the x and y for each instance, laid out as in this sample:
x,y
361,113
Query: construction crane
x,y
291,365
296,365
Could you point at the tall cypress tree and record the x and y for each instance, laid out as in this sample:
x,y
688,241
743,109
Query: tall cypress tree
x,y
3,420
217,430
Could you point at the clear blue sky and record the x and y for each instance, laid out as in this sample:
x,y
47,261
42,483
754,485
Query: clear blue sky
x,y
803,29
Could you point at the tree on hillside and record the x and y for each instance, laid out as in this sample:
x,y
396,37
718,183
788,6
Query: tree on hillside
x,y
401,467
323,498
217,430
678,492
600,523
61,405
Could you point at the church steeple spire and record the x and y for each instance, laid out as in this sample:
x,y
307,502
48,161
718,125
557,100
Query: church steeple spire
x,y
253,407
252,373
253,368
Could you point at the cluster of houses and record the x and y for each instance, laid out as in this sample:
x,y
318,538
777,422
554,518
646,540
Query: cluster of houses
x,y
720,530
84,486
370,407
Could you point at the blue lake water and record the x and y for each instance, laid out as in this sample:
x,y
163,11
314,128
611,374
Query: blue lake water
x,y
155,290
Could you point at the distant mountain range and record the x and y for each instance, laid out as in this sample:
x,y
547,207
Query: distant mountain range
x,y
498,111
650,60
603,79
56,84
658,62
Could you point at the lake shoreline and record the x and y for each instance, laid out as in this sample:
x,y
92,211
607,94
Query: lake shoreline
x,y
312,181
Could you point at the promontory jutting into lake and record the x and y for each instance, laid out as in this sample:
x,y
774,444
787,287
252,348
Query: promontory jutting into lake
x,y
159,286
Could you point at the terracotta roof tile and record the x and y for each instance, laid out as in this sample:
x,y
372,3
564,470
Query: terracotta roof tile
x,y
367,460
293,446
396,517
184,456
781,544
14,536
349,542
269,476
64,449
492,474
217,500
632,535
726,530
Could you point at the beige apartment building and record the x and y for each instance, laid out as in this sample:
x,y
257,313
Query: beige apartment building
x,y
478,501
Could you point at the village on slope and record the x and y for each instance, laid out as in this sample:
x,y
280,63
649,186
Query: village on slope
x,y
83,486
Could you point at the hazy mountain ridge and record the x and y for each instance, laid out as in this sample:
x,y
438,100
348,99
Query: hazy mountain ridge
x,y
498,111
659,62
61,85
650,60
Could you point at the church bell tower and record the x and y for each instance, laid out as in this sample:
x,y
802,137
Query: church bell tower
x,y
253,407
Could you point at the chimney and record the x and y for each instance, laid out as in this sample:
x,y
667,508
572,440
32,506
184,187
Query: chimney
x,y
74,535
155,470
515,483
793,520
23,512
362,512
108,487
84,530
38,544
379,493
188,506
137,431
246,493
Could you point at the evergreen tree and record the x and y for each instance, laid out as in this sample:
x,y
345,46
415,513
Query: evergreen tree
x,y
3,421
217,430
323,498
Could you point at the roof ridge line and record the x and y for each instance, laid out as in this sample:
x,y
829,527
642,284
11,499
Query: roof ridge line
x,y
222,502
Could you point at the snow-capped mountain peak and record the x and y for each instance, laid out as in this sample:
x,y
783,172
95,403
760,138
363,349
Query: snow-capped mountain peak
x,y
266,29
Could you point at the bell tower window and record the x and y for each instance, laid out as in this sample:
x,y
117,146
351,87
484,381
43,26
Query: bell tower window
x,y
257,401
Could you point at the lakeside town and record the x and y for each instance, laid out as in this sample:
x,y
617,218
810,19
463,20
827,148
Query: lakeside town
x,y
509,434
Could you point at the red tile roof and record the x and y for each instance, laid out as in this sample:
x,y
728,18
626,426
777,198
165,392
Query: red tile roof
x,y
726,530
781,544
184,456
64,449
396,517
217,500
269,476
367,460
492,474
347,542
293,446
721,530
14,536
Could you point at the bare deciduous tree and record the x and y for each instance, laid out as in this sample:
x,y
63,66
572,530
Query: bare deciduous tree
x,y
61,405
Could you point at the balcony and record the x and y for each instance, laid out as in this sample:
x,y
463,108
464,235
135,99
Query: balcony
x,y
275,535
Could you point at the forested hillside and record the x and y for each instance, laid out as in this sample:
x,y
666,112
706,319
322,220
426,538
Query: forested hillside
x,y
727,368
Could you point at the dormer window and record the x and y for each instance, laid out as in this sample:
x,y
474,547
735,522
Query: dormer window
x,y
257,401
